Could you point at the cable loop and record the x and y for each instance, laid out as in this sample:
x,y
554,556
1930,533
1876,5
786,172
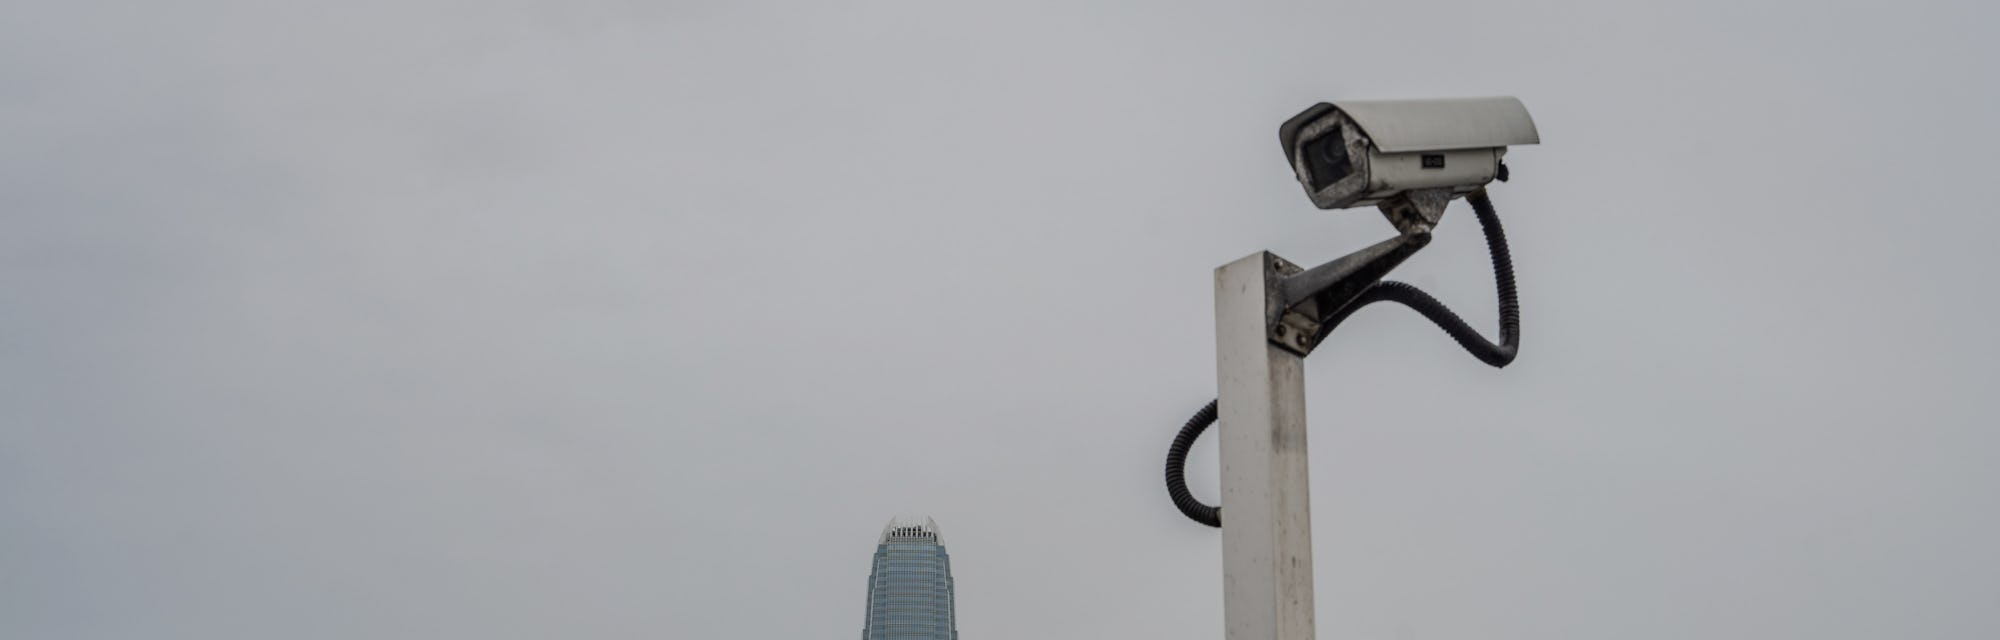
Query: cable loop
x,y
1497,355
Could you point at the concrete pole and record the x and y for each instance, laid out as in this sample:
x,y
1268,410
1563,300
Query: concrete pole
x,y
1267,517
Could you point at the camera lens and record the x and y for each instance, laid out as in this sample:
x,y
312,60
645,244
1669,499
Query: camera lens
x,y
1326,159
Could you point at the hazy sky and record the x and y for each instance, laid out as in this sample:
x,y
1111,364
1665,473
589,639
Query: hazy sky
x,y
622,319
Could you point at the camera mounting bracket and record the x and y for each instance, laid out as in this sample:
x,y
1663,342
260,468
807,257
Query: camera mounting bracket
x,y
1300,300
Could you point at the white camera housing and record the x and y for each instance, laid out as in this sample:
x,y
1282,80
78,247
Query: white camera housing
x,y
1358,153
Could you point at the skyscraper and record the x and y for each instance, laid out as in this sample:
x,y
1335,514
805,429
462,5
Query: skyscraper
x,y
910,589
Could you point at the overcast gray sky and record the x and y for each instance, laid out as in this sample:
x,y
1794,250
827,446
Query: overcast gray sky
x,y
621,319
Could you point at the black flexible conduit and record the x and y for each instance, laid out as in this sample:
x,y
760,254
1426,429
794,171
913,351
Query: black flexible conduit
x,y
1177,469
1497,355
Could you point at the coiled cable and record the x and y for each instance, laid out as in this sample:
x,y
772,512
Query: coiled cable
x,y
1497,355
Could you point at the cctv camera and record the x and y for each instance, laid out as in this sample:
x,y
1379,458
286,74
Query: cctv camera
x,y
1408,157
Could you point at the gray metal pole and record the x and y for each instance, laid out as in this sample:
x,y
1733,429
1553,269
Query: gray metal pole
x,y
1267,527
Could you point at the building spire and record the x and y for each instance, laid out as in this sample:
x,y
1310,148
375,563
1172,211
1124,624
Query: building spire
x,y
911,529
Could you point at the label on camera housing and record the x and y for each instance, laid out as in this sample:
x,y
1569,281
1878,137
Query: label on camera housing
x,y
1461,170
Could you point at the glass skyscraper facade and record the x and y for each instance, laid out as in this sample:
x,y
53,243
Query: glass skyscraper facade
x,y
910,588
